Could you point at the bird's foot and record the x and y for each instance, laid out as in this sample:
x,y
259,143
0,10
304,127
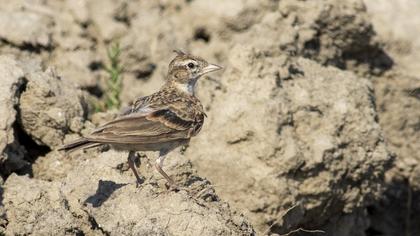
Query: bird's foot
x,y
139,182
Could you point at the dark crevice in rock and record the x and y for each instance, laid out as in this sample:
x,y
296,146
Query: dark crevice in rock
x,y
314,109
96,65
37,49
75,231
312,47
372,100
285,122
3,217
85,25
95,91
295,70
201,33
278,79
29,147
14,150
122,16
123,19
398,207
95,225
147,72
373,232
33,150
374,56
21,88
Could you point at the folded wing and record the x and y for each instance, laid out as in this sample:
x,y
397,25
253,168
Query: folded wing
x,y
155,126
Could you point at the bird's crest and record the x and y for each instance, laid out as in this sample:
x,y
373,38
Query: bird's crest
x,y
180,52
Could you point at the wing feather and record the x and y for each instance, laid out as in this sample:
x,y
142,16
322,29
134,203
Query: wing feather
x,y
144,127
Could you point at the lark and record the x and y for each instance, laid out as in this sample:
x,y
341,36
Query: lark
x,y
161,122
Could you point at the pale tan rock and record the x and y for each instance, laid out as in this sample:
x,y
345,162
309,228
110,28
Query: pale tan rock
x,y
49,107
279,140
301,137
100,198
20,28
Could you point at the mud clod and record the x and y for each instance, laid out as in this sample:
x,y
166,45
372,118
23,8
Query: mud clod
x,y
313,125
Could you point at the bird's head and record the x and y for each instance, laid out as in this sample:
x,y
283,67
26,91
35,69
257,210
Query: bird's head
x,y
185,69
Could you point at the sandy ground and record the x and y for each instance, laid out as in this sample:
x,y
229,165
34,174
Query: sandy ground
x,y
314,123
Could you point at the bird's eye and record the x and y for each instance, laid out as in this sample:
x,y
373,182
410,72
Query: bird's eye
x,y
191,65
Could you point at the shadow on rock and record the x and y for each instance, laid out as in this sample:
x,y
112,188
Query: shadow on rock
x,y
374,56
397,211
104,191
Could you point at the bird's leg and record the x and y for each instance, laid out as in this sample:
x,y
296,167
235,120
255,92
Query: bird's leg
x,y
158,166
131,158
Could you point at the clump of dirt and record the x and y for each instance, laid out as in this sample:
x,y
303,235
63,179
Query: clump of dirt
x,y
331,32
312,124
311,138
398,104
397,24
95,204
50,108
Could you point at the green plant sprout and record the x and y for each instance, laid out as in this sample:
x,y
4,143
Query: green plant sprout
x,y
114,84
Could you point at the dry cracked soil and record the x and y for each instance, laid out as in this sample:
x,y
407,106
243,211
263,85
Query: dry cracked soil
x,y
312,128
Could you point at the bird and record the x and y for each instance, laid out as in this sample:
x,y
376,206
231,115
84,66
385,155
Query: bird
x,y
159,122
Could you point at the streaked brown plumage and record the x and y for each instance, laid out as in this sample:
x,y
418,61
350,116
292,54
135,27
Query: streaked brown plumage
x,y
158,122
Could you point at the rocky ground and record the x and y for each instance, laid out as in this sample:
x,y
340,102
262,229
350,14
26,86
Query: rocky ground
x,y
313,126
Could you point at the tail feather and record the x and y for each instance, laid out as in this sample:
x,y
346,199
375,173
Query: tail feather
x,y
82,143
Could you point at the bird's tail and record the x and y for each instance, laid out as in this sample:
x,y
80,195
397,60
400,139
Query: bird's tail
x,y
82,143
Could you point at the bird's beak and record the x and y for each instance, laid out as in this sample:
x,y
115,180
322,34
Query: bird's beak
x,y
210,68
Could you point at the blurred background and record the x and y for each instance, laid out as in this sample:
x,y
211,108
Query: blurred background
x,y
313,126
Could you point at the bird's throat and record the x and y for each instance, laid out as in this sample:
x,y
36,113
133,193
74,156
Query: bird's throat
x,y
188,88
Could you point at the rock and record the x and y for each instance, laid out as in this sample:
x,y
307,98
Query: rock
x,y
292,133
331,32
75,66
51,32
398,104
51,107
234,15
56,165
25,28
79,9
38,207
99,198
290,142
397,24
11,81
103,15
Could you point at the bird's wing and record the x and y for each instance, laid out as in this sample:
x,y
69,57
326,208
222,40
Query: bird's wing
x,y
138,105
154,125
